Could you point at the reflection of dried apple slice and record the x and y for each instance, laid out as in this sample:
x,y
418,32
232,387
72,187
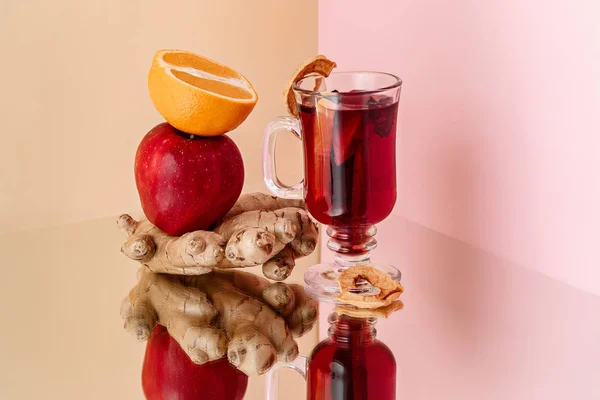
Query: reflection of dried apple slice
x,y
381,312
317,65
353,292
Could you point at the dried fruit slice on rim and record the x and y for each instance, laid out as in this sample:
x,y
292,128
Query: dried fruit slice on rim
x,y
367,287
320,65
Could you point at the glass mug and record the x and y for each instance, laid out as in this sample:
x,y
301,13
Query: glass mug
x,y
347,124
350,364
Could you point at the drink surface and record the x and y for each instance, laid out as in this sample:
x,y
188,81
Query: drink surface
x,y
350,159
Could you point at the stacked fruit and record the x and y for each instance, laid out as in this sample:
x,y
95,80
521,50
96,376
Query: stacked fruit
x,y
188,172
207,324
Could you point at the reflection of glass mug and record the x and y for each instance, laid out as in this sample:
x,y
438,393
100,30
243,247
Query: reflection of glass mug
x,y
350,364
347,123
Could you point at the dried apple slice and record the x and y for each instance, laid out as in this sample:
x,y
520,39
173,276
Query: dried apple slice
x,y
320,65
353,291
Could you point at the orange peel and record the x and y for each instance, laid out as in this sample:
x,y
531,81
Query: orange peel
x,y
197,95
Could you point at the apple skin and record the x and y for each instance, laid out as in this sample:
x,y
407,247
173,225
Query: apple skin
x,y
169,374
187,184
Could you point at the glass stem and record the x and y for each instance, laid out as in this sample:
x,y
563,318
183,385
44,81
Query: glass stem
x,y
352,245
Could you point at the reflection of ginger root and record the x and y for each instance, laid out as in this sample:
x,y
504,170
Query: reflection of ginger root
x,y
280,267
223,312
212,312
259,229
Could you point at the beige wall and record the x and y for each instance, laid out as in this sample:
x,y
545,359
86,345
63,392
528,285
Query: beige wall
x,y
74,108
75,101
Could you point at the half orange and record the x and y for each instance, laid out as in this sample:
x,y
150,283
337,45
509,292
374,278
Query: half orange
x,y
197,95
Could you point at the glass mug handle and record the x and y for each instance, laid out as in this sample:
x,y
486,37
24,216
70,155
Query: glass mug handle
x,y
272,378
269,169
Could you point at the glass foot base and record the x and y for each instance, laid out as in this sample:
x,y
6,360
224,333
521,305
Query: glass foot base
x,y
321,280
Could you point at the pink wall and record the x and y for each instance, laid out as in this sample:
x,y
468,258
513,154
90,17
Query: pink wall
x,y
496,227
476,327
500,120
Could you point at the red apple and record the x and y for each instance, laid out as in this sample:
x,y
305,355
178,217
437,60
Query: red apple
x,y
168,373
186,182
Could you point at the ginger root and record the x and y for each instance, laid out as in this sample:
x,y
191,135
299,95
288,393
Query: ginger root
x,y
193,253
259,230
306,239
222,312
287,225
188,285
260,201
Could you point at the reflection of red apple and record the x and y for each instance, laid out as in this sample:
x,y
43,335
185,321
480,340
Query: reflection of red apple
x,y
187,184
168,373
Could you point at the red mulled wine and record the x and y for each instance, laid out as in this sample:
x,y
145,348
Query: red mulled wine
x,y
350,159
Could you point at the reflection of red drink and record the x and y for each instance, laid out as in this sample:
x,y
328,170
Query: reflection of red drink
x,y
351,364
350,159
